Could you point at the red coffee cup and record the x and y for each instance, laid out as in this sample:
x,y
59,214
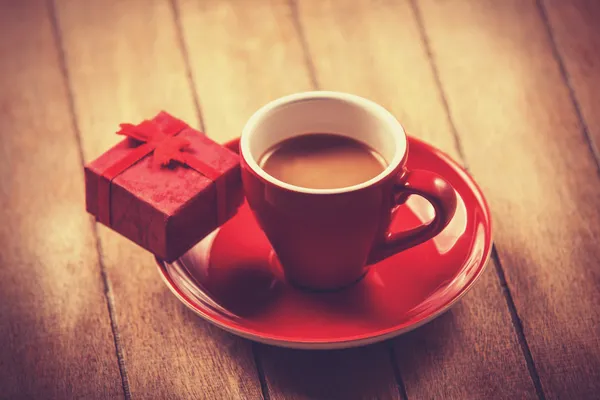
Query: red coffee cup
x,y
327,238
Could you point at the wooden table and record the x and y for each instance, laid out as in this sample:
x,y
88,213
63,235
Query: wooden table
x,y
509,88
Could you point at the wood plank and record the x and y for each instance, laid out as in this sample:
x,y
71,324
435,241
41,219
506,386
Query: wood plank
x,y
373,48
125,64
244,54
53,314
575,30
525,145
238,64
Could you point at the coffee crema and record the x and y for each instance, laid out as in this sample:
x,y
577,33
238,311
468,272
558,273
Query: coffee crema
x,y
322,161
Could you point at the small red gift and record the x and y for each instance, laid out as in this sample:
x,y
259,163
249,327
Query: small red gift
x,y
165,186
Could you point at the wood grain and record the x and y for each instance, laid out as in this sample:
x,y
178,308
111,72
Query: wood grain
x,y
125,64
525,145
520,133
575,30
244,54
53,314
374,48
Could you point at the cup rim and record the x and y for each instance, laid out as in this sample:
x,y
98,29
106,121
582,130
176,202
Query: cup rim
x,y
370,106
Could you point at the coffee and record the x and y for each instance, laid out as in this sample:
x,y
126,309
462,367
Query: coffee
x,y
322,161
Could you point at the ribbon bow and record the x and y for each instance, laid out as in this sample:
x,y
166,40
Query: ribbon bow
x,y
166,148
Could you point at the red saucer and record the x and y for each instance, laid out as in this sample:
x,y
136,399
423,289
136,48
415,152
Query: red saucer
x,y
232,279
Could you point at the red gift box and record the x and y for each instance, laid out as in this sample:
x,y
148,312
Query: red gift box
x,y
165,187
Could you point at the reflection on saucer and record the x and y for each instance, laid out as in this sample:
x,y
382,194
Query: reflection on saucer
x,y
245,289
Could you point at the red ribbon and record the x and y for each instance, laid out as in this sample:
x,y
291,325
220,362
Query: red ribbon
x,y
167,147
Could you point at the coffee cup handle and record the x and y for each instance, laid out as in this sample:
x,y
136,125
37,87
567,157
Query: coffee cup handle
x,y
434,189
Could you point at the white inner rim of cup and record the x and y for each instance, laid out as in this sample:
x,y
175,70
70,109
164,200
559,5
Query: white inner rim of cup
x,y
323,112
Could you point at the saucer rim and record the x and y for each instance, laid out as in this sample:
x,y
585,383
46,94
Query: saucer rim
x,y
314,344
358,340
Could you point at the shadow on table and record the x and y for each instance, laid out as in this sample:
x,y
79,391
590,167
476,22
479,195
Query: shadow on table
x,y
364,372
337,374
